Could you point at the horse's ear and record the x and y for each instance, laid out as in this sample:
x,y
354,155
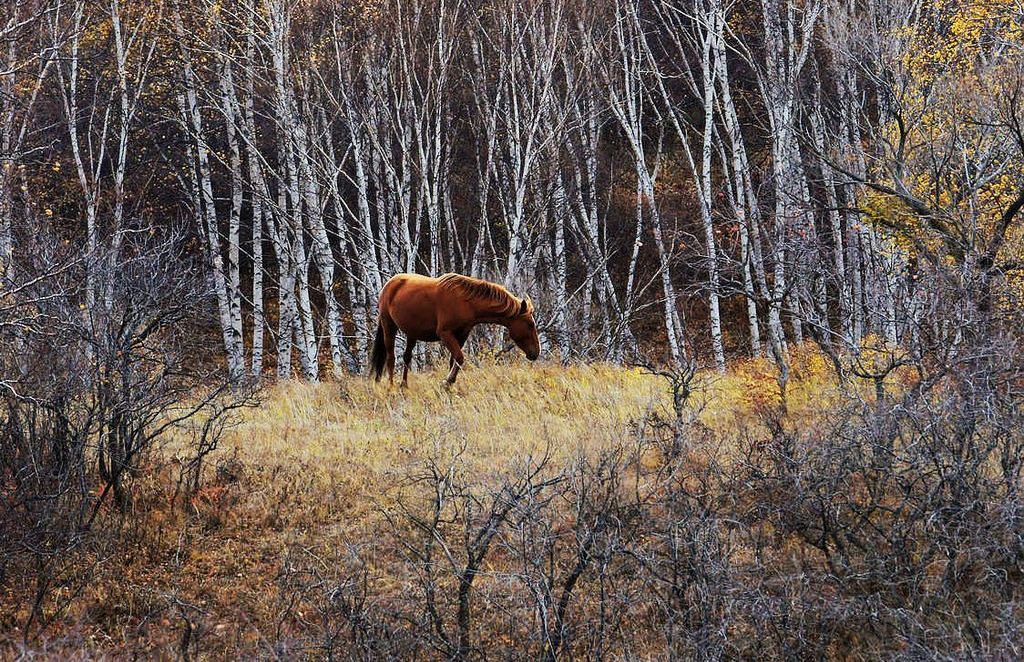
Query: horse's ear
x,y
529,305
523,306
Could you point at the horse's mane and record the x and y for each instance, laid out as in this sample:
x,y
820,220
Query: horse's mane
x,y
503,301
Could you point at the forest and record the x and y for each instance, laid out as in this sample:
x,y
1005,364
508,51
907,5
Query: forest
x,y
776,254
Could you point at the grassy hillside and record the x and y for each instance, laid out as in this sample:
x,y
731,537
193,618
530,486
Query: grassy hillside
x,y
340,518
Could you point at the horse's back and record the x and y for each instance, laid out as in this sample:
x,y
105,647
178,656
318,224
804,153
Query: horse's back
x,y
401,282
411,278
410,301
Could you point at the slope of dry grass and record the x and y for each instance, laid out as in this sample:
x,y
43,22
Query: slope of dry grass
x,y
312,469
493,410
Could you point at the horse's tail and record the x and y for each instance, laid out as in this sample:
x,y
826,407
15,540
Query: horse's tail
x,y
379,354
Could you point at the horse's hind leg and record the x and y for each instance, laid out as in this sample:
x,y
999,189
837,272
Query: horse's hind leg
x,y
406,360
390,330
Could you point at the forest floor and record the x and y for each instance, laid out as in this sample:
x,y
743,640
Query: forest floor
x,y
309,476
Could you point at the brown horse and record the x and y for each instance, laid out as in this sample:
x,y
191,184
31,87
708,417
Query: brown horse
x,y
446,309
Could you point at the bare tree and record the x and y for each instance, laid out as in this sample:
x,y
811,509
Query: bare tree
x,y
206,213
628,91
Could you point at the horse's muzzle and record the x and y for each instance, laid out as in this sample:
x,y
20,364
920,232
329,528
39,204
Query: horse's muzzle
x,y
533,356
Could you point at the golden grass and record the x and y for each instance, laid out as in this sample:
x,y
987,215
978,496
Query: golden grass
x,y
319,463
499,412
495,411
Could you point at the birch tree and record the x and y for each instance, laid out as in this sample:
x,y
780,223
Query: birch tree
x,y
205,209
132,39
88,164
528,40
27,59
583,129
701,76
627,93
745,203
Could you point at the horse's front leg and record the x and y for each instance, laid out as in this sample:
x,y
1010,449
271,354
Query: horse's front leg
x,y
461,336
407,359
451,341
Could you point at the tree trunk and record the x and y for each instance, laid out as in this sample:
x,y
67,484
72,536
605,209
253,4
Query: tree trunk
x,y
208,215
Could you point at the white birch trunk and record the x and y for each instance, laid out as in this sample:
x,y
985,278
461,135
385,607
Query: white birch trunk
x,y
625,95
303,329
259,196
836,228
229,107
706,195
207,214
704,88
561,294
784,60
746,208
322,255
88,173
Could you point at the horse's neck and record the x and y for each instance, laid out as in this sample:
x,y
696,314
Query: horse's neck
x,y
492,318
495,315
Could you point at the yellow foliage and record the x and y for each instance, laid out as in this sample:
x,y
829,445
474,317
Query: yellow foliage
x,y
956,68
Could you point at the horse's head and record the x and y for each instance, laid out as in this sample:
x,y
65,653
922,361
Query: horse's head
x,y
523,330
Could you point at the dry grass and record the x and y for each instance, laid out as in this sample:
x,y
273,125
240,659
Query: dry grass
x,y
495,411
313,466
500,411
361,432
